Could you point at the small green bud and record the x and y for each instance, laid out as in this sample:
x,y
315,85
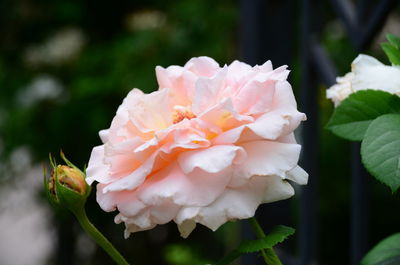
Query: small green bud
x,y
66,187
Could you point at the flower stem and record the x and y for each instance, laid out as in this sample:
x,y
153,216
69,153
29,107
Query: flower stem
x,y
268,254
98,237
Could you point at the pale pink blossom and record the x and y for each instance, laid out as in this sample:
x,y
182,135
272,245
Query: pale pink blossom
x,y
209,146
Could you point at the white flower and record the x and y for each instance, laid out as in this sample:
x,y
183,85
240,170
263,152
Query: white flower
x,y
366,73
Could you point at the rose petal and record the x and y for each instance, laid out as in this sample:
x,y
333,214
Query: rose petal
x,y
97,170
298,175
240,203
268,158
126,201
186,227
277,189
369,73
255,97
202,66
207,92
213,159
197,188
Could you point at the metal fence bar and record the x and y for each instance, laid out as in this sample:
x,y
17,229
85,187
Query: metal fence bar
x,y
345,11
249,30
308,225
375,23
322,63
359,207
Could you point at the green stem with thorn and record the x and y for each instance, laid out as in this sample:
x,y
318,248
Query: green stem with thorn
x,y
268,254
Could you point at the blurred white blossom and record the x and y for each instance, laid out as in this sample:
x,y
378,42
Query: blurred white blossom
x,y
57,49
42,87
145,19
24,222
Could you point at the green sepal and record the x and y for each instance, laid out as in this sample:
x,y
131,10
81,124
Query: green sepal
x,y
69,198
69,163
50,197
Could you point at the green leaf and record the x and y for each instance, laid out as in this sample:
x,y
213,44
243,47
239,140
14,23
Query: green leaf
x,y
380,150
352,117
394,40
277,235
386,252
392,53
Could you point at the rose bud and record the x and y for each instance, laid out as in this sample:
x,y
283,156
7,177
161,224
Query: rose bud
x,y
66,187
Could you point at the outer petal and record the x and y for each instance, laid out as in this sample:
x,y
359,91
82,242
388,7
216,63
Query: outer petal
x,y
233,204
202,66
126,201
284,110
96,169
151,112
136,223
198,188
277,189
134,179
342,89
268,158
372,74
180,82
238,74
367,73
168,77
298,175
212,160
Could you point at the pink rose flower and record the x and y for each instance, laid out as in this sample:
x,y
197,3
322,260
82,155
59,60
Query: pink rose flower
x,y
209,146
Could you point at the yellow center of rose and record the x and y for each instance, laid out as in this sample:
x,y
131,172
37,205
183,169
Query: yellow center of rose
x,y
180,113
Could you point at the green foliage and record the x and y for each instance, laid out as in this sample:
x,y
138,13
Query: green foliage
x,y
394,40
277,235
380,150
352,117
386,252
392,49
392,53
373,117
179,254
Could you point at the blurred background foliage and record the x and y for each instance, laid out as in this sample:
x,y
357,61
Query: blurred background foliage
x,y
65,67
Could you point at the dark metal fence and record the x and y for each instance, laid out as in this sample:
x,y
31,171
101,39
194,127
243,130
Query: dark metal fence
x,y
269,31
